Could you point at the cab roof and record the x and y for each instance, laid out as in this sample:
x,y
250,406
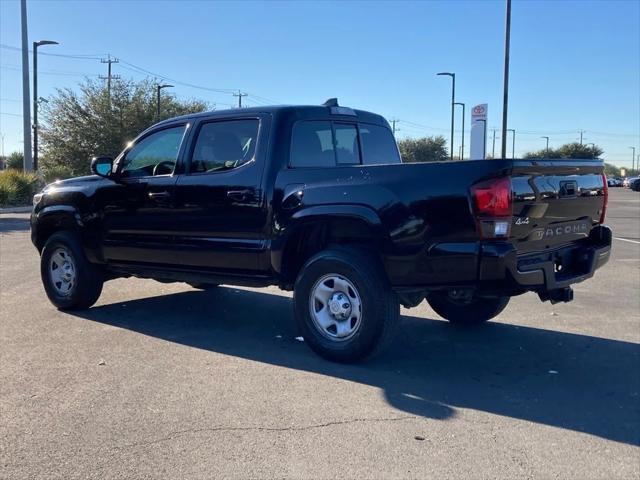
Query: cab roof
x,y
295,112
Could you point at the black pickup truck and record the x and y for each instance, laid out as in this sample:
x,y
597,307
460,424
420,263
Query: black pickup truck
x,y
316,199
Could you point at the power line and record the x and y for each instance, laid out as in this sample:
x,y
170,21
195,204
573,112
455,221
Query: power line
x,y
78,57
16,68
256,99
179,82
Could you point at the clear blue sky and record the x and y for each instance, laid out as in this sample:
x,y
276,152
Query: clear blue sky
x,y
575,64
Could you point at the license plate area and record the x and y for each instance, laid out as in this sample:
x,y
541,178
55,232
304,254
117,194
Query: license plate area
x,y
566,263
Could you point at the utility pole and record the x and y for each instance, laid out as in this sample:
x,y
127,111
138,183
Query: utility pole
x,y
547,152
393,128
453,103
26,113
633,158
36,126
240,95
158,88
513,145
109,61
463,107
581,132
493,147
505,98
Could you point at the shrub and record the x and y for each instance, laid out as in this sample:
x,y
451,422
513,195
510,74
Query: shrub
x,y
51,173
15,161
17,187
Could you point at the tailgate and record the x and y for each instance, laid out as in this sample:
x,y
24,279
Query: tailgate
x,y
555,201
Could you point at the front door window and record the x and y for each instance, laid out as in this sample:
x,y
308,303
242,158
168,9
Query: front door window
x,y
155,154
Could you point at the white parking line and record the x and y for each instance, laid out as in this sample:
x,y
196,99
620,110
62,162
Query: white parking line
x,y
626,240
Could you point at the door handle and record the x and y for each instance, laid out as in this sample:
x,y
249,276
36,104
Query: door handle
x,y
159,196
238,195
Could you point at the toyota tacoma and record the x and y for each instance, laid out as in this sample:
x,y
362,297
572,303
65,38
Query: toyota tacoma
x,y
316,199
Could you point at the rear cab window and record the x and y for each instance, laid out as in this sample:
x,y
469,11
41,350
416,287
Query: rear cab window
x,y
378,145
324,143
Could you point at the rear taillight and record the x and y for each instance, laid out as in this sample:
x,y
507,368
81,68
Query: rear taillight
x,y
605,193
492,202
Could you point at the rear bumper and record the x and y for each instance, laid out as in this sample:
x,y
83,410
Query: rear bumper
x,y
548,270
496,268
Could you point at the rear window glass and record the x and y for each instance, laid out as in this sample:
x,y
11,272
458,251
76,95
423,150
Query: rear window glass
x,y
347,149
312,145
378,145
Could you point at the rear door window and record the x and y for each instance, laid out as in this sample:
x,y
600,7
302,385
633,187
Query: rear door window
x,y
224,145
347,147
378,145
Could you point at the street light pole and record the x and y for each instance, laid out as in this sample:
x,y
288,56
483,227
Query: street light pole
x,y
35,98
505,98
453,103
158,88
513,144
463,108
26,112
547,151
633,158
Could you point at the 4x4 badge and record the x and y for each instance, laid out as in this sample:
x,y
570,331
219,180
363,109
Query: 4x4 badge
x,y
522,221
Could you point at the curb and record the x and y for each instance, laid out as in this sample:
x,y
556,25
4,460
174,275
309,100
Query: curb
x,y
16,210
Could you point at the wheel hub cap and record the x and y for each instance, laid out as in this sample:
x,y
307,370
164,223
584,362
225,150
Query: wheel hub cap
x,y
62,271
340,306
335,307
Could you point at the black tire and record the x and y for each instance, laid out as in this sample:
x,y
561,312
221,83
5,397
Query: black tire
x,y
204,286
379,310
88,281
471,311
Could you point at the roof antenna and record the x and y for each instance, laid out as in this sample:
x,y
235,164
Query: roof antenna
x,y
332,102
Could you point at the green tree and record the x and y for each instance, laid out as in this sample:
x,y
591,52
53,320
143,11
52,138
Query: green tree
x,y
568,150
81,124
576,150
611,170
425,149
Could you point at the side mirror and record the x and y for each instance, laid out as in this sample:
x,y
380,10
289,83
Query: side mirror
x,y
102,166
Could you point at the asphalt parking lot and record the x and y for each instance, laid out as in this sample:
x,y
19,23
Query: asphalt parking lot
x,y
164,381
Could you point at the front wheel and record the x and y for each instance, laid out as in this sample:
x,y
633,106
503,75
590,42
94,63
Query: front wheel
x,y
70,280
465,307
344,306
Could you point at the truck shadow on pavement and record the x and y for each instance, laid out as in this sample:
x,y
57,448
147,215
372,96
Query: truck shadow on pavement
x,y
577,382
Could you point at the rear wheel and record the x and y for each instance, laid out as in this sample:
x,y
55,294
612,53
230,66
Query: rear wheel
x,y
465,307
344,306
70,280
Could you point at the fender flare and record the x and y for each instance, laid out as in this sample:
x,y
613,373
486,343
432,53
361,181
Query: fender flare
x,y
304,217
53,218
